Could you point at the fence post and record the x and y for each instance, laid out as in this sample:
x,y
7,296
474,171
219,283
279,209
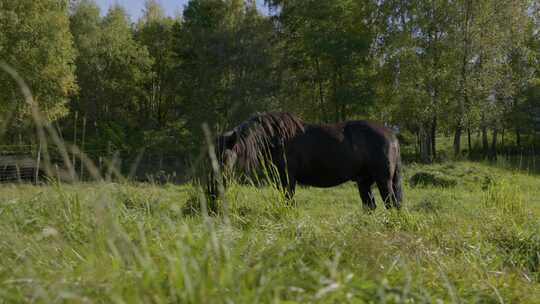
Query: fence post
x,y
74,143
57,173
18,172
82,147
38,160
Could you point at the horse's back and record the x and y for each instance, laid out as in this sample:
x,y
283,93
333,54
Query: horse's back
x,y
367,129
327,155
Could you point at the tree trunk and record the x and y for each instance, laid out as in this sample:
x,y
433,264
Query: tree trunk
x,y
417,145
423,150
518,137
336,101
502,139
485,144
425,145
321,94
469,146
464,101
433,137
493,152
457,141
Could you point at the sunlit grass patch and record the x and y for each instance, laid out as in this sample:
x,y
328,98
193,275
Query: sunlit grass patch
x,y
129,242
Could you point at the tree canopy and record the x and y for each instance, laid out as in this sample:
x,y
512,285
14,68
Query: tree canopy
x,y
461,69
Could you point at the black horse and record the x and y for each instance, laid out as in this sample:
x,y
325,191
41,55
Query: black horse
x,y
316,155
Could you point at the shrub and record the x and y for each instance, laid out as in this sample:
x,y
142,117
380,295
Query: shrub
x,y
432,179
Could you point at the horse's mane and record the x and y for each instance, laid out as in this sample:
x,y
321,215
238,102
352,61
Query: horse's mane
x,y
264,131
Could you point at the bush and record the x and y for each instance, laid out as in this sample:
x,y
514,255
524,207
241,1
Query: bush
x,y
432,179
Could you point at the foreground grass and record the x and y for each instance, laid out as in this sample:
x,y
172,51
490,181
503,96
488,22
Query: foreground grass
x,y
477,240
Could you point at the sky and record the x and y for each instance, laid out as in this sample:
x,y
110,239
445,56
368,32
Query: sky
x,y
135,7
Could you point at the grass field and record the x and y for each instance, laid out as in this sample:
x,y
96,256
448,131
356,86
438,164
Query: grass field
x,y
468,233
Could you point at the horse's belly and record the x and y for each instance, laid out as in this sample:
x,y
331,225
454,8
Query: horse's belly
x,y
323,178
320,183
325,163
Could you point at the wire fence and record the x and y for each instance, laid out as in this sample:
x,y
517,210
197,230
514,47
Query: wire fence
x,y
25,164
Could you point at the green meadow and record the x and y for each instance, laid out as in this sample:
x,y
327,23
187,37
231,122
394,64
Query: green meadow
x,y
468,233
93,90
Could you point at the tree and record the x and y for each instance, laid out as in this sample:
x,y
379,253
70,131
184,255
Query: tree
x,y
326,65
452,58
113,69
154,31
490,38
418,67
224,70
518,65
85,25
36,41
162,103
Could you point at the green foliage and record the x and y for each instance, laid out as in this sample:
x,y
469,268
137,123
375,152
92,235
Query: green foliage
x,y
325,62
225,67
164,120
432,69
112,70
528,111
452,66
469,232
36,41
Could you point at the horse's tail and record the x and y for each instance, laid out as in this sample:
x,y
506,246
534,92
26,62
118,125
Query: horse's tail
x,y
397,180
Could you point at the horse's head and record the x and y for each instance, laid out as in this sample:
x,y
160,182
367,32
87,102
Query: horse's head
x,y
225,153
248,144
226,159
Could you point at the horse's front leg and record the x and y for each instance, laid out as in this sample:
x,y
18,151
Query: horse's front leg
x,y
286,174
368,200
289,188
287,183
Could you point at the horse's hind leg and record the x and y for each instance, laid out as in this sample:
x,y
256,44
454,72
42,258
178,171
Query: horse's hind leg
x,y
387,193
368,200
397,196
